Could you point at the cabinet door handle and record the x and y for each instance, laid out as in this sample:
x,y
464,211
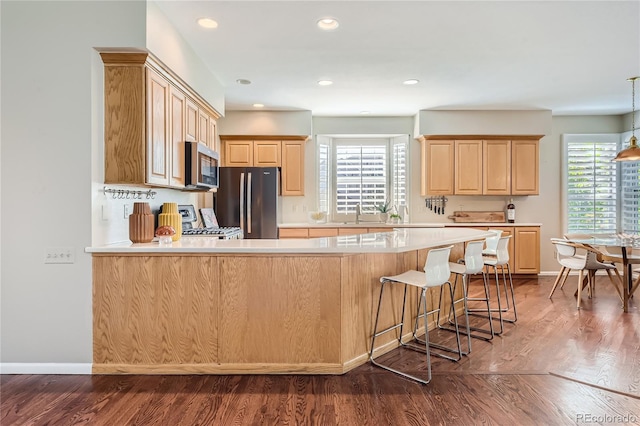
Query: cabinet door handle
x,y
249,203
242,201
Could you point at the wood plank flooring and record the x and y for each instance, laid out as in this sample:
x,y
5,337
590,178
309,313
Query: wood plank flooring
x,y
555,366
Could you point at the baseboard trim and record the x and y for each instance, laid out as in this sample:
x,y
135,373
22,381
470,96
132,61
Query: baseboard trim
x,y
44,368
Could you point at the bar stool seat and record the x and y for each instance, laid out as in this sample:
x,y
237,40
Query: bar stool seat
x,y
436,274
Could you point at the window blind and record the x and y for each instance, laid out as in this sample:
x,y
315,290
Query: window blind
x,y
591,187
630,193
324,164
361,177
399,174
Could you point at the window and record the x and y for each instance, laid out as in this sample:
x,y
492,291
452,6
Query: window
x,y
361,170
601,195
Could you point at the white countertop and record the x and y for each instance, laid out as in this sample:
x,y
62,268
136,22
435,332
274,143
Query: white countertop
x,y
397,241
400,225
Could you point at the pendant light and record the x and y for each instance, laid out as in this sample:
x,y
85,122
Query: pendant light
x,y
632,153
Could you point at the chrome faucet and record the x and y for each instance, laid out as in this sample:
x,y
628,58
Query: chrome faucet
x,y
358,213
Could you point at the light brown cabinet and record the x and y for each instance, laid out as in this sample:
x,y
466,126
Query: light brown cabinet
x,y
158,120
328,232
468,167
292,168
525,159
149,114
286,152
496,170
526,250
488,166
437,167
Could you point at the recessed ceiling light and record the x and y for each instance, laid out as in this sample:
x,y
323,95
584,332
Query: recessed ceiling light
x,y
328,24
243,81
325,82
207,23
364,112
258,105
410,82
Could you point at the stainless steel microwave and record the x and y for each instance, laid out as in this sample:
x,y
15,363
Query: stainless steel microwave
x,y
201,167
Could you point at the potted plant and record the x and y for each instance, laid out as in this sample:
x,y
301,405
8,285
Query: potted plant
x,y
395,218
383,208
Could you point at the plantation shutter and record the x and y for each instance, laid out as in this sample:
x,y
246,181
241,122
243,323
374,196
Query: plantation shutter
x,y
361,176
591,187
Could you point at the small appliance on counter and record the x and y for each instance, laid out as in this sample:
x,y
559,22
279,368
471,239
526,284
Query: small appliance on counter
x,y
188,213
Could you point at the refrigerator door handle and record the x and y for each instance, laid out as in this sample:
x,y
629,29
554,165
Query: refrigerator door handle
x,y
249,203
242,201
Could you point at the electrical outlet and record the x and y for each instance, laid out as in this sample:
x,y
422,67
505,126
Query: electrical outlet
x,y
126,211
59,255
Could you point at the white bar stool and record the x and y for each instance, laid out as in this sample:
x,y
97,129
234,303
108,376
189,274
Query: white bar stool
x,y
436,274
473,264
491,243
501,260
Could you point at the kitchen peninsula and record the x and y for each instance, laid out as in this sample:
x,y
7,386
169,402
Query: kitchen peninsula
x,y
209,306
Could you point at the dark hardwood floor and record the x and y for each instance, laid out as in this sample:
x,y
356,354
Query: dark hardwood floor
x,y
556,366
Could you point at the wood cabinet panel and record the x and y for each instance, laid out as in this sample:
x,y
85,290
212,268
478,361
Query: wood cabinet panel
x,y
323,232
525,167
293,233
124,134
292,168
192,121
527,250
158,149
302,299
267,153
352,231
437,175
238,153
203,127
468,167
496,169
178,129
177,326
213,134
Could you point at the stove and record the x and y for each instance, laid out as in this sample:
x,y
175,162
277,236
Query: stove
x,y
188,213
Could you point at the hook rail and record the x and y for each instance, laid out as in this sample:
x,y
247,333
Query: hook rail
x,y
129,194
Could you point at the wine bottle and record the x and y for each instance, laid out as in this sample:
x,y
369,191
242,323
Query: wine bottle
x,y
511,212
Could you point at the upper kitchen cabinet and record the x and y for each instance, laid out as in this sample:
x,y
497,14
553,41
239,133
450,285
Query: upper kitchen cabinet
x,y
468,167
525,164
437,167
484,165
286,152
149,114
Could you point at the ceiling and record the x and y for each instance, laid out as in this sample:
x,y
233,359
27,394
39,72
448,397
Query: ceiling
x,y
570,57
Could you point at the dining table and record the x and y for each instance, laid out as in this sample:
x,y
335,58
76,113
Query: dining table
x,y
618,249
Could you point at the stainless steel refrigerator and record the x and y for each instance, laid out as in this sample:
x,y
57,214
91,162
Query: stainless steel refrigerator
x,y
248,197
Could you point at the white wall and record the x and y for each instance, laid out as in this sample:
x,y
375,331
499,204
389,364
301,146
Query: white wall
x,y
171,48
484,122
52,166
47,136
269,123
